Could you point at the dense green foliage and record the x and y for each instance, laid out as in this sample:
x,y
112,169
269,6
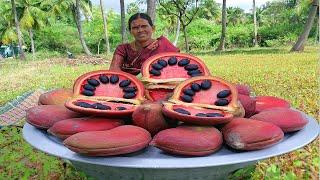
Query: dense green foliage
x,y
279,23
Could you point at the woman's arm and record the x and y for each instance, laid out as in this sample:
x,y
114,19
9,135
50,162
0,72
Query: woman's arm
x,y
116,63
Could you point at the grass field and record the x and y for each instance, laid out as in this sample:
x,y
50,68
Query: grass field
x,y
276,72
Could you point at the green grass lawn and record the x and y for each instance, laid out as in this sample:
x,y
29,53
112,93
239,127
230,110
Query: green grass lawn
x,y
269,71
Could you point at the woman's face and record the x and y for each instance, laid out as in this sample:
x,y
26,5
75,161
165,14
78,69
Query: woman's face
x,y
141,30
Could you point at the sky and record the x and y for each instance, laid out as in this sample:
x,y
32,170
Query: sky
x,y
243,4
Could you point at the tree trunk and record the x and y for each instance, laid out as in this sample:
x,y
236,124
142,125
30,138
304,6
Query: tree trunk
x,y
185,37
255,23
224,27
14,13
79,27
177,33
151,9
32,42
299,46
123,22
105,27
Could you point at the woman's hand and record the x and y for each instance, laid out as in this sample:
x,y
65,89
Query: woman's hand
x,y
116,63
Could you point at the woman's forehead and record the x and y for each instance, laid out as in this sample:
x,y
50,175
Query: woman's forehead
x,y
139,21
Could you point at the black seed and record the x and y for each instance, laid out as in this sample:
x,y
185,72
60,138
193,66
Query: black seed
x,y
129,89
183,62
221,102
214,115
157,66
191,67
186,98
196,74
162,62
155,72
224,93
114,79
87,93
100,106
89,87
190,73
93,82
129,95
172,61
201,115
120,108
182,111
125,83
104,79
189,92
195,87
83,104
206,84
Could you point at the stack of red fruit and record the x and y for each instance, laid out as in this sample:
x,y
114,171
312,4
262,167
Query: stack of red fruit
x,y
179,109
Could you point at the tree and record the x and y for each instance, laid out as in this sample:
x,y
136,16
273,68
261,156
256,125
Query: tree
x,y
105,27
223,27
299,45
255,23
151,9
123,22
235,15
209,9
32,18
61,8
185,10
17,24
76,10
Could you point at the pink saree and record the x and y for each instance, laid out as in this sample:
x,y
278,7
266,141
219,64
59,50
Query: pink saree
x,y
133,59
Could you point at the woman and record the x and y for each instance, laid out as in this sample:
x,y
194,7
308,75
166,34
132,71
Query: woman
x,y
129,57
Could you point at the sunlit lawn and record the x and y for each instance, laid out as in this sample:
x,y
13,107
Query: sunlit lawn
x,y
276,72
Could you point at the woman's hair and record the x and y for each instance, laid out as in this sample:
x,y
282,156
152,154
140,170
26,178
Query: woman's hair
x,y
140,15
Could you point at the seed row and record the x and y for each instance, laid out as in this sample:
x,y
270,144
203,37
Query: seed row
x,y
188,93
98,106
90,87
193,69
185,112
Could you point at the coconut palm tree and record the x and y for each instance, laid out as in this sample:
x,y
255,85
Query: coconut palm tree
x,y
105,27
123,22
17,25
77,8
32,18
299,45
224,27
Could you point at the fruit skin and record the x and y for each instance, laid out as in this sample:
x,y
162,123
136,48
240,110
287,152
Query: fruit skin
x,y
55,97
287,119
44,116
120,140
243,89
189,140
149,116
250,134
65,128
266,102
248,103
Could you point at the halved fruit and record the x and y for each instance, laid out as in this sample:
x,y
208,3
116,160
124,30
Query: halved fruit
x,y
162,73
204,100
106,93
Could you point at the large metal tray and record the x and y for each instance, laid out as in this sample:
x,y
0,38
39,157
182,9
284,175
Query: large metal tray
x,y
152,163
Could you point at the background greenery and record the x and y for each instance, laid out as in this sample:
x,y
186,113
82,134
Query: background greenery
x,y
279,24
